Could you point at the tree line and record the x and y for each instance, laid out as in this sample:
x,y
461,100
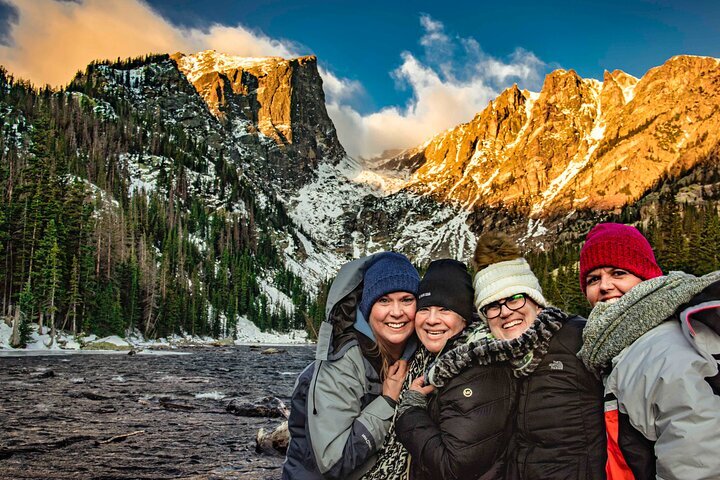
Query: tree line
x,y
84,250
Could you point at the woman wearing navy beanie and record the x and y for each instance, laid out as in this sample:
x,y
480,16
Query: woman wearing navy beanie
x,y
344,402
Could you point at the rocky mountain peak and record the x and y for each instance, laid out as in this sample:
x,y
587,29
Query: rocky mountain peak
x,y
282,99
578,143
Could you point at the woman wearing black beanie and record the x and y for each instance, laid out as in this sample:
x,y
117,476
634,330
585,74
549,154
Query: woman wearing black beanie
x,y
461,430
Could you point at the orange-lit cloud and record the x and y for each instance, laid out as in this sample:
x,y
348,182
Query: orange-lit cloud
x,y
52,40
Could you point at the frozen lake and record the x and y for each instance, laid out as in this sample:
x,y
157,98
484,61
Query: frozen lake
x,y
105,416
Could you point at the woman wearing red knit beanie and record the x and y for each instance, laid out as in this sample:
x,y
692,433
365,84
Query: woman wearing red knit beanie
x,y
652,339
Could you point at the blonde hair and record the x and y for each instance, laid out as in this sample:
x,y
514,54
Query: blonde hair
x,y
381,349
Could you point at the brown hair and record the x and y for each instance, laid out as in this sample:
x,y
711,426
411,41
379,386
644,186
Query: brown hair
x,y
381,351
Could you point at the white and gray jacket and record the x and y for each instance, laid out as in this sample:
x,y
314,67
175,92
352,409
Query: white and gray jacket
x,y
660,382
339,417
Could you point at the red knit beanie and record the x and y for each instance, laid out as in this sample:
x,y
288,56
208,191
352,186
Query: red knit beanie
x,y
620,246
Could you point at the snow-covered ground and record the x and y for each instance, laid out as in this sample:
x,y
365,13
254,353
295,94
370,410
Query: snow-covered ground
x,y
320,206
247,334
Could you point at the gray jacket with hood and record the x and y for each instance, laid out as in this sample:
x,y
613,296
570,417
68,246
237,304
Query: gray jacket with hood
x,y
661,383
339,417
658,348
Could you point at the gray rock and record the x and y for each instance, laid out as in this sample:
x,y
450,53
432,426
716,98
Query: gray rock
x,y
273,351
275,442
271,407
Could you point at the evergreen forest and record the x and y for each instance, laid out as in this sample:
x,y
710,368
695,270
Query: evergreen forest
x,y
84,251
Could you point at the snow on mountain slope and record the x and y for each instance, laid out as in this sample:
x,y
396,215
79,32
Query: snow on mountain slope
x,y
357,212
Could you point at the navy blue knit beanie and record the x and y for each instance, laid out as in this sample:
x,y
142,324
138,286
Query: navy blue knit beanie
x,y
390,272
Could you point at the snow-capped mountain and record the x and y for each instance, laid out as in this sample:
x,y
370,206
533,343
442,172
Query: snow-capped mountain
x,y
578,143
215,189
342,209
268,99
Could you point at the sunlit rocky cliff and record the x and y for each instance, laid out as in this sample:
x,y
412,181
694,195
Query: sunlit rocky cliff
x,y
578,143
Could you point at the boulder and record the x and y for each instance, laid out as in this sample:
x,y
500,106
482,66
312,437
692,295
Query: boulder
x,y
275,442
273,351
271,407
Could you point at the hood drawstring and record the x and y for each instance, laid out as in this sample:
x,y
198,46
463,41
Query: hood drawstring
x,y
315,385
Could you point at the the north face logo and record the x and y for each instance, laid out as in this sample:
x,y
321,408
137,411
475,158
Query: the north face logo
x,y
557,365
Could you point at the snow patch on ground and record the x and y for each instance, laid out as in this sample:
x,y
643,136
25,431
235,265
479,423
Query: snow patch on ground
x,y
444,234
535,228
276,298
5,334
113,340
143,171
248,334
214,395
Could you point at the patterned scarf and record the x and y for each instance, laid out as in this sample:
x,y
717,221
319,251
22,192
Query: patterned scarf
x,y
524,353
393,460
612,327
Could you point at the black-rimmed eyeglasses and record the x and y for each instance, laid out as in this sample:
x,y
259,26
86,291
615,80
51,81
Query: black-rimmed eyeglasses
x,y
514,302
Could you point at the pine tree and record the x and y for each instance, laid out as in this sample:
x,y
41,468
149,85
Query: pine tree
x,y
26,306
706,245
49,255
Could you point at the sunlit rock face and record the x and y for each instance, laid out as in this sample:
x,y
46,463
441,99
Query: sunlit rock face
x,y
578,143
282,99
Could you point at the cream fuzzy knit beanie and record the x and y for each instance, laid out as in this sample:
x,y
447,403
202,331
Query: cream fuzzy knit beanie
x,y
502,271
504,279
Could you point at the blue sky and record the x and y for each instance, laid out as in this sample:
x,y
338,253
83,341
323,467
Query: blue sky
x,y
365,43
394,72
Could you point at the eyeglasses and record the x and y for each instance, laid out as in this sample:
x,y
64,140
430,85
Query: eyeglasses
x,y
514,302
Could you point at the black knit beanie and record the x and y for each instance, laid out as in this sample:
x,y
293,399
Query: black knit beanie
x,y
447,284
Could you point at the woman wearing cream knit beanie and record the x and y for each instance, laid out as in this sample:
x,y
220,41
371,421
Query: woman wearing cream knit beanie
x,y
504,280
558,429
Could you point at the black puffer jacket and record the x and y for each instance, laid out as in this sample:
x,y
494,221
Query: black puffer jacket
x,y
464,431
559,430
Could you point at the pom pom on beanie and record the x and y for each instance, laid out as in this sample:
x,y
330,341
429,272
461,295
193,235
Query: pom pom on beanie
x,y
502,271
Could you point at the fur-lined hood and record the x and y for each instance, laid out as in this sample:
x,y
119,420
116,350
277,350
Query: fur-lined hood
x,y
480,347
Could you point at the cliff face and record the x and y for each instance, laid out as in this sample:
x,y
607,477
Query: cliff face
x,y
278,98
578,143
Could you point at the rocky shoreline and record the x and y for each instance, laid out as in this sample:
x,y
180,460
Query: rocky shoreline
x,y
145,416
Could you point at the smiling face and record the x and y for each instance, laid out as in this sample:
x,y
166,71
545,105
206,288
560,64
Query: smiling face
x,y
392,319
608,284
511,324
436,325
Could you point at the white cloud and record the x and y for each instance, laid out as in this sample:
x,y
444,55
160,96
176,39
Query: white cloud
x,y
446,90
434,32
453,81
338,90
